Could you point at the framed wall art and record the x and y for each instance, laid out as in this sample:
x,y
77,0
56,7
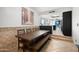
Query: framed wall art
x,y
27,16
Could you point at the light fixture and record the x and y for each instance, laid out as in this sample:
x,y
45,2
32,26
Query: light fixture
x,y
54,16
51,11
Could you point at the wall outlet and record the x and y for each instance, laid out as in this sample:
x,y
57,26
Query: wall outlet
x,y
75,40
77,24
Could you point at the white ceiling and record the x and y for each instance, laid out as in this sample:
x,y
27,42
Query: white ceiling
x,y
43,9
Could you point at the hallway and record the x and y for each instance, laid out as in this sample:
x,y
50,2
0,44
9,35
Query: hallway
x,y
57,31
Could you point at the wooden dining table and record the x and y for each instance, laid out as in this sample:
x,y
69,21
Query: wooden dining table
x,y
33,38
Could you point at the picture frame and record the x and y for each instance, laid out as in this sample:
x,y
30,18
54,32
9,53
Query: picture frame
x,y
27,16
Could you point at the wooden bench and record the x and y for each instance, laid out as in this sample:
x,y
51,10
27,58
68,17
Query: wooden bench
x,y
40,44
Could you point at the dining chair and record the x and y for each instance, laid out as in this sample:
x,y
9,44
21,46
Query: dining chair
x,y
20,41
28,30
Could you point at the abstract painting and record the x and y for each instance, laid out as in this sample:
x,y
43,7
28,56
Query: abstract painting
x,y
27,16
31,17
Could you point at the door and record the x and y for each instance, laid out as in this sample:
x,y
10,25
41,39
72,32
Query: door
x,y
67,23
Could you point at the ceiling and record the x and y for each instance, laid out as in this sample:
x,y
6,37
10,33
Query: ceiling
x,y
47,12
43,9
